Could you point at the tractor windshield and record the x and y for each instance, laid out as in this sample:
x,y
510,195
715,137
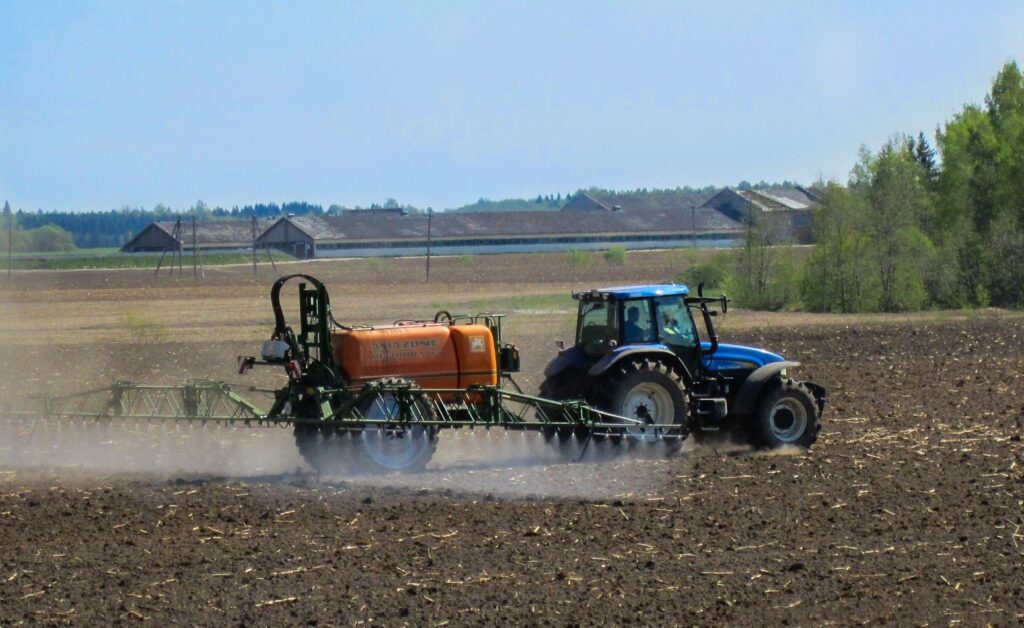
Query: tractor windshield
x,y
598,325
675,325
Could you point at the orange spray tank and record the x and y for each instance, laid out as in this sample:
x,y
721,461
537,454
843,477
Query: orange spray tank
x,y
433,355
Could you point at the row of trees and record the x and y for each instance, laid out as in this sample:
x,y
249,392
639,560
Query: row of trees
x,y
914,227
47,238
115,227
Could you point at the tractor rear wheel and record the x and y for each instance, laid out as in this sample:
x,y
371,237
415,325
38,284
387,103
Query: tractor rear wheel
x,y
786,415
650,393
566,385
398,446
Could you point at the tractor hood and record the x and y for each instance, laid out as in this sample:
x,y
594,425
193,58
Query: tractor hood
x,y
728,357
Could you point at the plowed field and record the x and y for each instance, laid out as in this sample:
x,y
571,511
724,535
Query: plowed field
x,y
908,510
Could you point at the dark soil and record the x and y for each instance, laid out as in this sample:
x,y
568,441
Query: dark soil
x,y
908,510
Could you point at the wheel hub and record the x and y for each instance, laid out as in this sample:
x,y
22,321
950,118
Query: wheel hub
x,y
649,404
392,446
788,420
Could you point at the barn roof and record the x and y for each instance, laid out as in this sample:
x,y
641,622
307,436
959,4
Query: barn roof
x,y
773,199
647,201
463,225
216,232
209,233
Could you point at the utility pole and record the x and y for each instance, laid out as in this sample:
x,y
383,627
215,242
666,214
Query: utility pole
x,y
430,216
254,242
174,248
10,234
693,220
181,246
195,250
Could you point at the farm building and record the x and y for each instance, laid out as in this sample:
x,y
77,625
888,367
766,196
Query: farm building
x,y
588,221
661,200
790,209
363,234
210,235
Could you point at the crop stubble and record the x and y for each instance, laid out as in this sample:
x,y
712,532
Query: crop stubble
x,y
908,509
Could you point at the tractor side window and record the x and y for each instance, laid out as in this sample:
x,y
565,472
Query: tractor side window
x,y
637,328
675,327
597,327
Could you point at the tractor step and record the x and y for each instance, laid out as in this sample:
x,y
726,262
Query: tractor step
x,y
710,412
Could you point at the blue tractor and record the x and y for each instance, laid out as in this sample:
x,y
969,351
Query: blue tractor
x,y
639,354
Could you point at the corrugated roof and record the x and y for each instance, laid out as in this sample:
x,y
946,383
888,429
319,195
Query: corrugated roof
x,y
793,198
510,224
664,201
779,199
216,232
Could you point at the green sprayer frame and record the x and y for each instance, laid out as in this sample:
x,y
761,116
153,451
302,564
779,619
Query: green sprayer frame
x,y
217,403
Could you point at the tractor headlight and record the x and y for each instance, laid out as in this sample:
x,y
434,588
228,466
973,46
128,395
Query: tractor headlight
x,y
784,373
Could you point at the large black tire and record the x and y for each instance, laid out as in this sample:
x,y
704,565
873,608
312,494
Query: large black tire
x,y
652,392
330,450
398,447
786,415
563,386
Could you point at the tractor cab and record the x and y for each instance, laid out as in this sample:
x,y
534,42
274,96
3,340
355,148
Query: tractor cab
x,y
619,319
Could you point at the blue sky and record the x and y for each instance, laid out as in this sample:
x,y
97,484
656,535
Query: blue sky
x,y
105,104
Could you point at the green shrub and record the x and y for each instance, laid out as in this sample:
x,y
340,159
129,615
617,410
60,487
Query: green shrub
x,y
615,256
714,272
577,258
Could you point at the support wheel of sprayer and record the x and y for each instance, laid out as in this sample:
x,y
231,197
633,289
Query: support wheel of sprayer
x,y
328,449
564,386
786,415
398,446
650,393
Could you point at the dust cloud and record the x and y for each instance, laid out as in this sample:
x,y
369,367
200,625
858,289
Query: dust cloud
x,y
130,446
493,463
504,464
496,463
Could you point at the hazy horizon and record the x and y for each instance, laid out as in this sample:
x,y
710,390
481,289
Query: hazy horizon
x,y
111,104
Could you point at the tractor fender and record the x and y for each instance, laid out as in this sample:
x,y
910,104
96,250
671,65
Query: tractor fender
x,y
658,352
568,358
746,398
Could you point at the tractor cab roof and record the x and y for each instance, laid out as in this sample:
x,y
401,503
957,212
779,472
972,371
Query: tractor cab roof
x,y
632,292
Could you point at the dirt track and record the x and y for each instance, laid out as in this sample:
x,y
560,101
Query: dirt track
x,y
909,509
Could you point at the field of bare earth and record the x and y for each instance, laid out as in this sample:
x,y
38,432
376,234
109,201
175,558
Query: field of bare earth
x,y
908,509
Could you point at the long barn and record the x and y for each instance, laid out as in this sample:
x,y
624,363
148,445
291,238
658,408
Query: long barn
x,y
370,233
588,221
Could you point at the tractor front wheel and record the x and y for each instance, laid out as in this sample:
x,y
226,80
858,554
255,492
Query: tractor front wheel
x,y
786,415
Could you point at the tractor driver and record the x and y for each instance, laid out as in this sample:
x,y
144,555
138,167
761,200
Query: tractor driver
x,y
671,331
633,331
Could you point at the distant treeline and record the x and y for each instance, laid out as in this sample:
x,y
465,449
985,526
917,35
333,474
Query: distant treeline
x,y
113,228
